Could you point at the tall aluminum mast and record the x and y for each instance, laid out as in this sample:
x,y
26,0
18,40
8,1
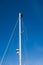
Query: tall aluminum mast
x,y
19,50
20,19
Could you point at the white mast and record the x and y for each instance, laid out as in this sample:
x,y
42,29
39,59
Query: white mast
x,y
19,50
20,61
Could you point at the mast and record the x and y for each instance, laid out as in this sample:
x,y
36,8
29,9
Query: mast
x,y
20,61
18,51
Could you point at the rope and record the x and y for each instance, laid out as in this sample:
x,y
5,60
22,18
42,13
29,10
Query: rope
x,y
8,44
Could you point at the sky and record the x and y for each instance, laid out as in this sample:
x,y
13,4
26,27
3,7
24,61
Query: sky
x,y
32,37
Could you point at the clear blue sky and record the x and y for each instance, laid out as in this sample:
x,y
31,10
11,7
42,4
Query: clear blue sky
x,y
32,38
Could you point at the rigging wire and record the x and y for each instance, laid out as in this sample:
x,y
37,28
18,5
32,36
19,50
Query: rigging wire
x,y
8,43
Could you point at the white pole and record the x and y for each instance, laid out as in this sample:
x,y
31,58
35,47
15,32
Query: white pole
x,y
20,63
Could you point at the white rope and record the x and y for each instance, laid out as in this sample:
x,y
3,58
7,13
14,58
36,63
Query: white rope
x,y
8,43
